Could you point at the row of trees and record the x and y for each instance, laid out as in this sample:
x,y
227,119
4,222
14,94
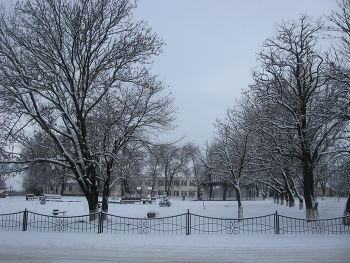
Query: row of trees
x,y
291,126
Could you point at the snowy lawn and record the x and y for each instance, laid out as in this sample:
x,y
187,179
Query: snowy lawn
x,y
33,246
330,207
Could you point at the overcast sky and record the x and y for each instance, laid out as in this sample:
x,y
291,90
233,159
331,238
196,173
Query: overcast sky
x,y
211,49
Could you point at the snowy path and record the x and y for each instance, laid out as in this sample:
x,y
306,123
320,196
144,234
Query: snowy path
x,y
16,246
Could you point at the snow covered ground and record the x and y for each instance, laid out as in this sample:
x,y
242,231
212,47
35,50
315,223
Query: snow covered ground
x,y
30,246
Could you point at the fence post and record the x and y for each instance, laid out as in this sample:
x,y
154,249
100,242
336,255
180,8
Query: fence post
x,y
188,222
100,223
277,223
25,220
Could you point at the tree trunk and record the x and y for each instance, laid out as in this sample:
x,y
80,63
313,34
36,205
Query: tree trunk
x,y
291,200
264,195
105,196
282,198
301,203
224,191
92,199
312,213
239,201
290,196
346,220
210,192
199,193
240,212
310,201
106,186
90,190
301,200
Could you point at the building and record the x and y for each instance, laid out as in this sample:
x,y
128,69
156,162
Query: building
x,y
179,186
143,185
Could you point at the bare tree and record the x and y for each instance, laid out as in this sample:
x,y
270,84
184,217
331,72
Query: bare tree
x,y
274,164
173,161
339,65
196,168
292,76
66,68
233,151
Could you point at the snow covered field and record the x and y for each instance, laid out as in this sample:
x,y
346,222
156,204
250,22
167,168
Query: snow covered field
x,y
330,207
33,246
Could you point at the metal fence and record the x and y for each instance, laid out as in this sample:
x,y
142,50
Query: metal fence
x,y
185,224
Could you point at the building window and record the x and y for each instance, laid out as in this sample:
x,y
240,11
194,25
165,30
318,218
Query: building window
x,y
70,188
176,193
192,183
148,183
183,193
140,182
160,182
160,192
176,182
184,183
192,193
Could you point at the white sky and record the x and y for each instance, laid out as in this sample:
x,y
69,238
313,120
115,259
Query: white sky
x,y
210,51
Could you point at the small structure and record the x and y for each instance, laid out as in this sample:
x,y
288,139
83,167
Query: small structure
x,y
30,197
3,193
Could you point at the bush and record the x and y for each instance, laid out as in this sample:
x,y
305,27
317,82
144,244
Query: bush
x,y
165,201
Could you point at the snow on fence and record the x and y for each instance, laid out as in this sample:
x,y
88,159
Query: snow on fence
x,y
185,224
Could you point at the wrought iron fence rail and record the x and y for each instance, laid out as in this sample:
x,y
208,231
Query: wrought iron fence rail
x,y
209,225
11,221
291,225
40,222
164,225
186,223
